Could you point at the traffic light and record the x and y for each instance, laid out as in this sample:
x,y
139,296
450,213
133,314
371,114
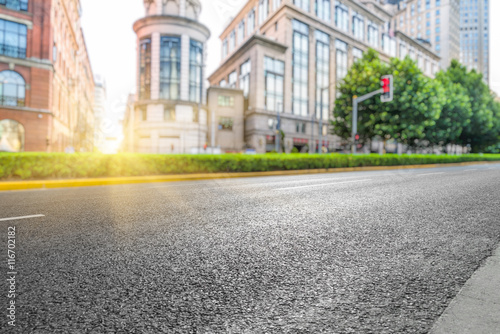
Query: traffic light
x,y
387,87
356,138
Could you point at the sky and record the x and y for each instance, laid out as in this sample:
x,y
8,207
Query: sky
x,y
111,42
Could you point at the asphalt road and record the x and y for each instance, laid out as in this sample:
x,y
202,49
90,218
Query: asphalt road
x,y
362,252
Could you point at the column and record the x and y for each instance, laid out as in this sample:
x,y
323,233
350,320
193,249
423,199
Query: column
x,y
182,8
159,7
155,66
185,67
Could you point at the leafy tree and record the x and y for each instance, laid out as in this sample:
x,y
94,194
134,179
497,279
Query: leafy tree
x,y
480,132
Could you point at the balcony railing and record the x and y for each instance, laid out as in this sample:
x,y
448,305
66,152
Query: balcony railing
x,y
15,4
13,101
12,51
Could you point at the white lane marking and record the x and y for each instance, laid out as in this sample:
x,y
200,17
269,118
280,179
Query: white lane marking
x,y
23,217
430,174
323,184
469,170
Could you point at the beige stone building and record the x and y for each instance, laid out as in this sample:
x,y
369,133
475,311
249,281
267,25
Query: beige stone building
x,y
169,114
288,57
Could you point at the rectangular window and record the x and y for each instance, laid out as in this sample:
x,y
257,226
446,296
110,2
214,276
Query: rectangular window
x,y
223,83
145,69
402,51
232,41
372,34
170,67
300,71
341,60
15,4
427,4
274,71
357,54
225,123
303,4
341,16
358,26
195,71
169,115
241,31
245,69
322,74
224,48
232,79
438,3
251,22
323,9
225,101
276,4
12,39
263,7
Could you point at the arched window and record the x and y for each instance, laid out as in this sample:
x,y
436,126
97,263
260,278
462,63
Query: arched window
x,y
11,136
12,89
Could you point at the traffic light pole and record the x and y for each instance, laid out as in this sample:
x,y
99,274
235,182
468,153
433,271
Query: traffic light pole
x,y
355,101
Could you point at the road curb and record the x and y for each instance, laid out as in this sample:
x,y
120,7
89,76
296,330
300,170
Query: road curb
x,y
88,182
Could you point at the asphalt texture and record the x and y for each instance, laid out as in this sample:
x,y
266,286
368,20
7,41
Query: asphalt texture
x,y
360,252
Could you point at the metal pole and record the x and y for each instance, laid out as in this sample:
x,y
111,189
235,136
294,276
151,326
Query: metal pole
x,y
277,142
312,149
354,123
199,103
320,132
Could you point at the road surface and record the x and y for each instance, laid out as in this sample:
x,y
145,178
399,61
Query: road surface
x,y
359,252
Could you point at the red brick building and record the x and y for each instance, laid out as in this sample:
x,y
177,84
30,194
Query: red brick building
x,y
46,81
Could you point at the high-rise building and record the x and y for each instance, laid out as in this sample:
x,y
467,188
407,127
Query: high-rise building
x,y
474,35
434,21
46,82
289,56
169,112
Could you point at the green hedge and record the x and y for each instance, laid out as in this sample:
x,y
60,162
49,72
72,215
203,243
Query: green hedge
x,y
60,165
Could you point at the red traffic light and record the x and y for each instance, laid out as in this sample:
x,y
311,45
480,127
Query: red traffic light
x,y
386,85
356,137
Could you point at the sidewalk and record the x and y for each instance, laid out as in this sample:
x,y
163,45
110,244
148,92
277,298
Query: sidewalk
x,y
476,308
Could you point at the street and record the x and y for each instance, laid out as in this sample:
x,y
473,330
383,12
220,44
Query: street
x,y
360,252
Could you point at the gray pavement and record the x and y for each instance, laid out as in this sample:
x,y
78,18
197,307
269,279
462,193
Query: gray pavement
x,y
361,252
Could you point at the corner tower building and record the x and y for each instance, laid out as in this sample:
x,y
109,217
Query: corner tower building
x,y
169,113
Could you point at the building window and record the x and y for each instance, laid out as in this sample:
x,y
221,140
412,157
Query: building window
x,y
169,115
224,48
232,79
303,4
427,4
357,54
263,6
341,16
225,101
402,51
223,83
15,4
322,74
232,41
251,22
438,3
12,89
245,69
372,34
300,127
12,39
300,72
195,71
11,136
145,69
323,9
276,4
341,59
274,71
241,31
225,123
54,53
358,26
170,67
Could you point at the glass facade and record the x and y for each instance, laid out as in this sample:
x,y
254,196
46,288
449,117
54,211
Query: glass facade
x,y
12,39
170,67
341,16
373,34
322,74
358,26
195,70
341,60
274,71
300,71
145,69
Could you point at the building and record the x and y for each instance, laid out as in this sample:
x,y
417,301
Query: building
x,y
474,36
226,123
99,111
46,82
169,114
434,21
288,57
